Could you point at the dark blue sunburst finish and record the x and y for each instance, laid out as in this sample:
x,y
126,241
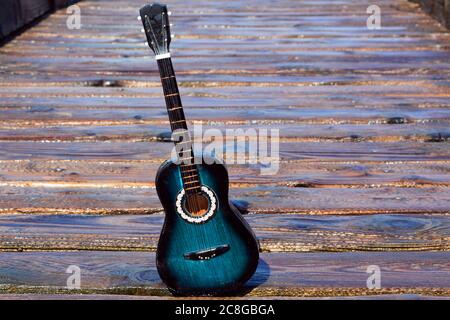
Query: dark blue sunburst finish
x,y
223,273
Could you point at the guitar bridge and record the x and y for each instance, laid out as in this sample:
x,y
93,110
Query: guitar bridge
x,y
207,254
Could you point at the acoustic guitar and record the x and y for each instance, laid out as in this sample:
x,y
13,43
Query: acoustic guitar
x,y
205,247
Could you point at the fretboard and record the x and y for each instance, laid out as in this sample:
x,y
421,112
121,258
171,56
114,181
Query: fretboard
x,y
188,170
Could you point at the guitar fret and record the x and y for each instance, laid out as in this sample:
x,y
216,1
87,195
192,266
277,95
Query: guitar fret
x,y
176,108
164,78
172,94
187,171
192,188
190,182
187,164
191,176
178,121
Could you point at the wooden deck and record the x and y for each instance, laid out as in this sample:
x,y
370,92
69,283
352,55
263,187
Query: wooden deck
x,y
364,120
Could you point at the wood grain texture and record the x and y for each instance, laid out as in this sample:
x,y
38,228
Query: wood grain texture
x,y
364,154
275,233
299,274
349,100
82,198
304,173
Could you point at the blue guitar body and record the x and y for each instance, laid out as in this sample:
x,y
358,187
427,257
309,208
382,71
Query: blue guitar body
x,y
211,257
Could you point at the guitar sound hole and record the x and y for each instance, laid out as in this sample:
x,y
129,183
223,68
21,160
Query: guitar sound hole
x,y
196,204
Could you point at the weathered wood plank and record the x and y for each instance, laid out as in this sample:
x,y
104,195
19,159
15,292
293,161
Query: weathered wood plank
x,y
229,90
189,80
79,198
43,112
192,74
302,173
299,274
303,106
136,65
289,151
233,95
276,233
151,130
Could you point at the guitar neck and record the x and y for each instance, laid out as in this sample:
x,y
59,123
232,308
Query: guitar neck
x,y
188,169
172,95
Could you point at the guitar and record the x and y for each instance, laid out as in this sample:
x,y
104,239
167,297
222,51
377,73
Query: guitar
x,y
205,247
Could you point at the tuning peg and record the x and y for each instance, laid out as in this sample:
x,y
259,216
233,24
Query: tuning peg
x,y
142,30
139,18
145,43
172,36
171,24
169,13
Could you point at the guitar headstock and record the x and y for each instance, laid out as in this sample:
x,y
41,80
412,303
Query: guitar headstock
x,y
155,19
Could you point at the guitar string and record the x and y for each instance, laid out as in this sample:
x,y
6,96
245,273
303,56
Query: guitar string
x,y
173,88
173,102
179,115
